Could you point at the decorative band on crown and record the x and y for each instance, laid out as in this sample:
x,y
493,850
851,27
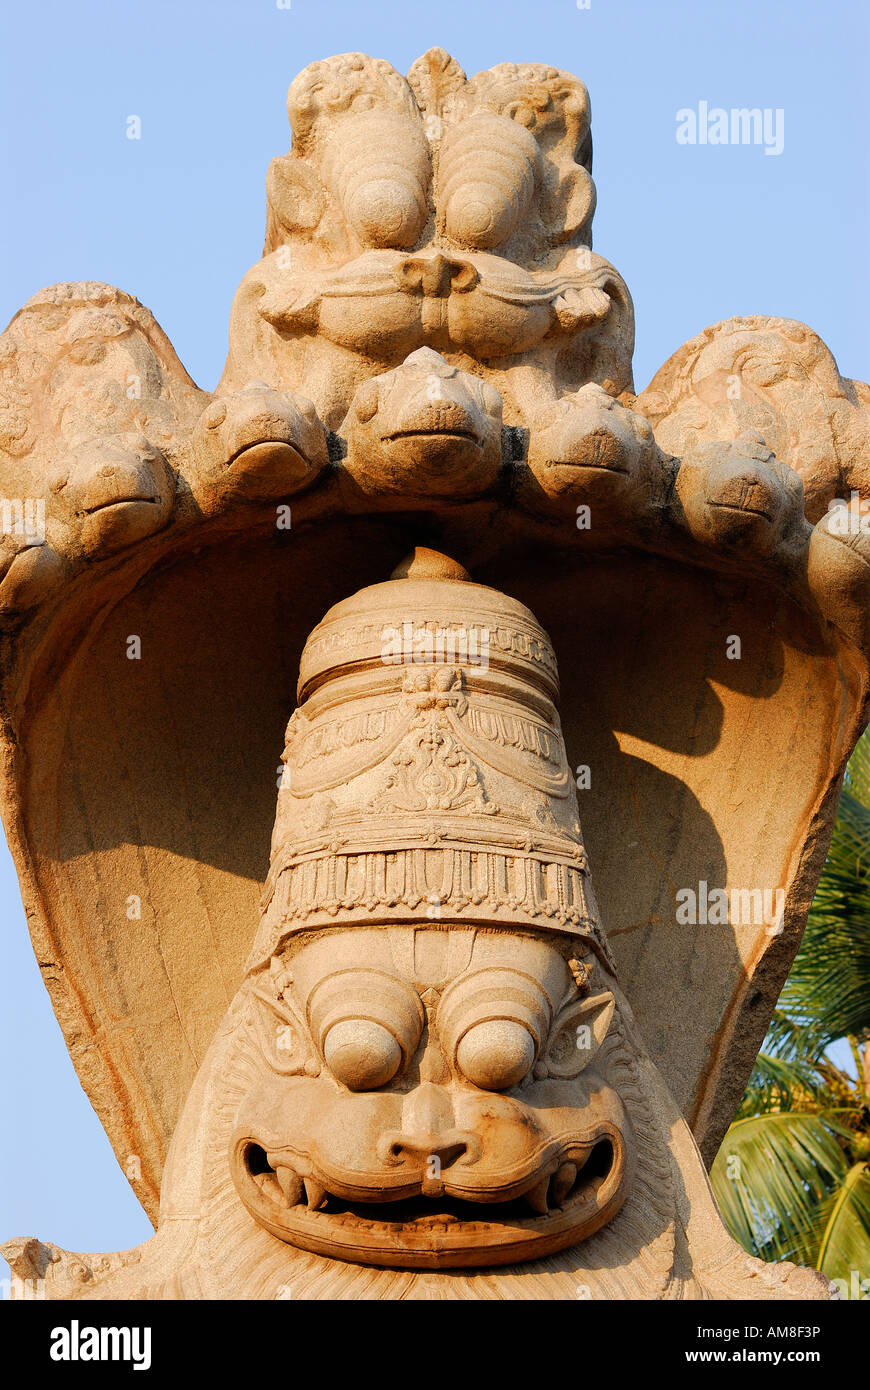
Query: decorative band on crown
x,y
439,879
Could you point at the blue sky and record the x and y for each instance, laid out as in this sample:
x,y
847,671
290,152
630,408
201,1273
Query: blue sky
x,y
699,232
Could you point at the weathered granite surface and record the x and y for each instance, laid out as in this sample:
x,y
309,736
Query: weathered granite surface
x,y
652,669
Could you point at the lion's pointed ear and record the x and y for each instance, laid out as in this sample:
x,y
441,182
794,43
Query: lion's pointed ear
x,y
280,1027
567,202
577,1033
294,196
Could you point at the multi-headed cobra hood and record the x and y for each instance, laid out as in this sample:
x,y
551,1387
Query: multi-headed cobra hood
x,y
428,1062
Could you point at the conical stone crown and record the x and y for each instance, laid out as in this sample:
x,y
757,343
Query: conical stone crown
x,y
425,775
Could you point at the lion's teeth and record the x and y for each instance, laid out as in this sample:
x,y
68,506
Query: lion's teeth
x,y
291,1184
315,1194
563,1182
537,1196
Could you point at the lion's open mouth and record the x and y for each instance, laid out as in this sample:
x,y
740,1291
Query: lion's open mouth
x,y
578,1194
550,1192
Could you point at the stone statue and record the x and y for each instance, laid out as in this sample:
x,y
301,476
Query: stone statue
x,y
409,1052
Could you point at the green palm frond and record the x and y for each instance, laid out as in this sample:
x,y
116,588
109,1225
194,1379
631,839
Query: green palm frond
x,y
828,990
781,1083
796,1042
845,1240
772,1176
858,772
792,1177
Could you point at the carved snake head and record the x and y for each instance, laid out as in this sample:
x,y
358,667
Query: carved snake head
x,y
114,492
426,421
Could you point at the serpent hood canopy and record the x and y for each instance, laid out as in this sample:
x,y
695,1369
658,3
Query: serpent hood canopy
x,y
428,354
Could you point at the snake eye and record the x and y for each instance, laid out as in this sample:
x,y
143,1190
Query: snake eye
x,y
367,1025
492,1024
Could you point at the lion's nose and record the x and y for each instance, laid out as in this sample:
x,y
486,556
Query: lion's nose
x,y
435,1150
436,275
429,1138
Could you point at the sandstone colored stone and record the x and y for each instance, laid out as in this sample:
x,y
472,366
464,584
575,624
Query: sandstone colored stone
x,y
410,1040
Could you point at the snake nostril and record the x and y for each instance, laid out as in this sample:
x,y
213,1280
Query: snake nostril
x,y
366,402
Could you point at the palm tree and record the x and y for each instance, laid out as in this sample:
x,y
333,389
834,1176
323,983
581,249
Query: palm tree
x,y
792,1177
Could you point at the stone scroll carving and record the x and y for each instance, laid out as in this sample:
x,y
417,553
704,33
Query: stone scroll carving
x,y
406,1050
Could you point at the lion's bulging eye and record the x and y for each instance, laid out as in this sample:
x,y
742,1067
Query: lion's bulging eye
x,y
496,1055
492,1023
367,1025
361,1054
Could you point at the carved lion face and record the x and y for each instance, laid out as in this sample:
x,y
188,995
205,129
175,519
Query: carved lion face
x,y
431,1098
